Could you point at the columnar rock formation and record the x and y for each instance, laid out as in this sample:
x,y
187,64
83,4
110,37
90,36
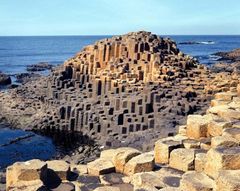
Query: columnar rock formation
x,y
114,88
204,155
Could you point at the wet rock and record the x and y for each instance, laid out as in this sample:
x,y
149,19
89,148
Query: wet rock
x,y
233,55
26,77
5,79
39,67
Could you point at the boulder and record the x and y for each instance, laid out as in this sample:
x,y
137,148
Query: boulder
x,y
222,159
123,155
5,79
100,166
26,171
197,126
228,180
60,168
163,148
196,181
182,159
39,67
141,163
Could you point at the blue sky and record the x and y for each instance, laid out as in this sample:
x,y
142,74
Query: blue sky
x,y
96,17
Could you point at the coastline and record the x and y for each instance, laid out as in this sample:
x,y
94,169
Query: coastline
x,y
31,107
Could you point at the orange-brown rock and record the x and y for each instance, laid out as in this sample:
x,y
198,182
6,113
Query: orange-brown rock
x,y
141,163
182,159
222,159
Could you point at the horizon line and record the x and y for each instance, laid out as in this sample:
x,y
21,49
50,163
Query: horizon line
x,y
66,35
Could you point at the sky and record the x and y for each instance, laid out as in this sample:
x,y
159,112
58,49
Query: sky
x,y
111,17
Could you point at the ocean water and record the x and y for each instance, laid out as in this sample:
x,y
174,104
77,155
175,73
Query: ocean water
x,y
35,146
18,52
208,45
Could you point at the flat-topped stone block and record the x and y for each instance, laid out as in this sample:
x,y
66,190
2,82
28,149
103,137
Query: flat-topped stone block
x,y
123,155
195,181
222,159
225,96
228,180
26,171
60,168
32,185
107,188
182,159
100,166
141,163
232,132
197,126
215,128
224,141
164,147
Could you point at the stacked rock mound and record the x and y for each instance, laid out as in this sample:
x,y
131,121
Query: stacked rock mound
x,y
204,155
112,89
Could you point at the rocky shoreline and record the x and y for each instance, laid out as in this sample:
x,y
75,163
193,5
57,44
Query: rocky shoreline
x,y
204,155
126,91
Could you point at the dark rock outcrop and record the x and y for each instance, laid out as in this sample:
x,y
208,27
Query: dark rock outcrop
x,y
233,55
42,66
26,77
5,79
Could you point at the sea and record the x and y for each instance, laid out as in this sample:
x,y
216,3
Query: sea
x,y
18,52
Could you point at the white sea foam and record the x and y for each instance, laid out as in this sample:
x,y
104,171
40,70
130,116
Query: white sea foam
x,y
207,42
